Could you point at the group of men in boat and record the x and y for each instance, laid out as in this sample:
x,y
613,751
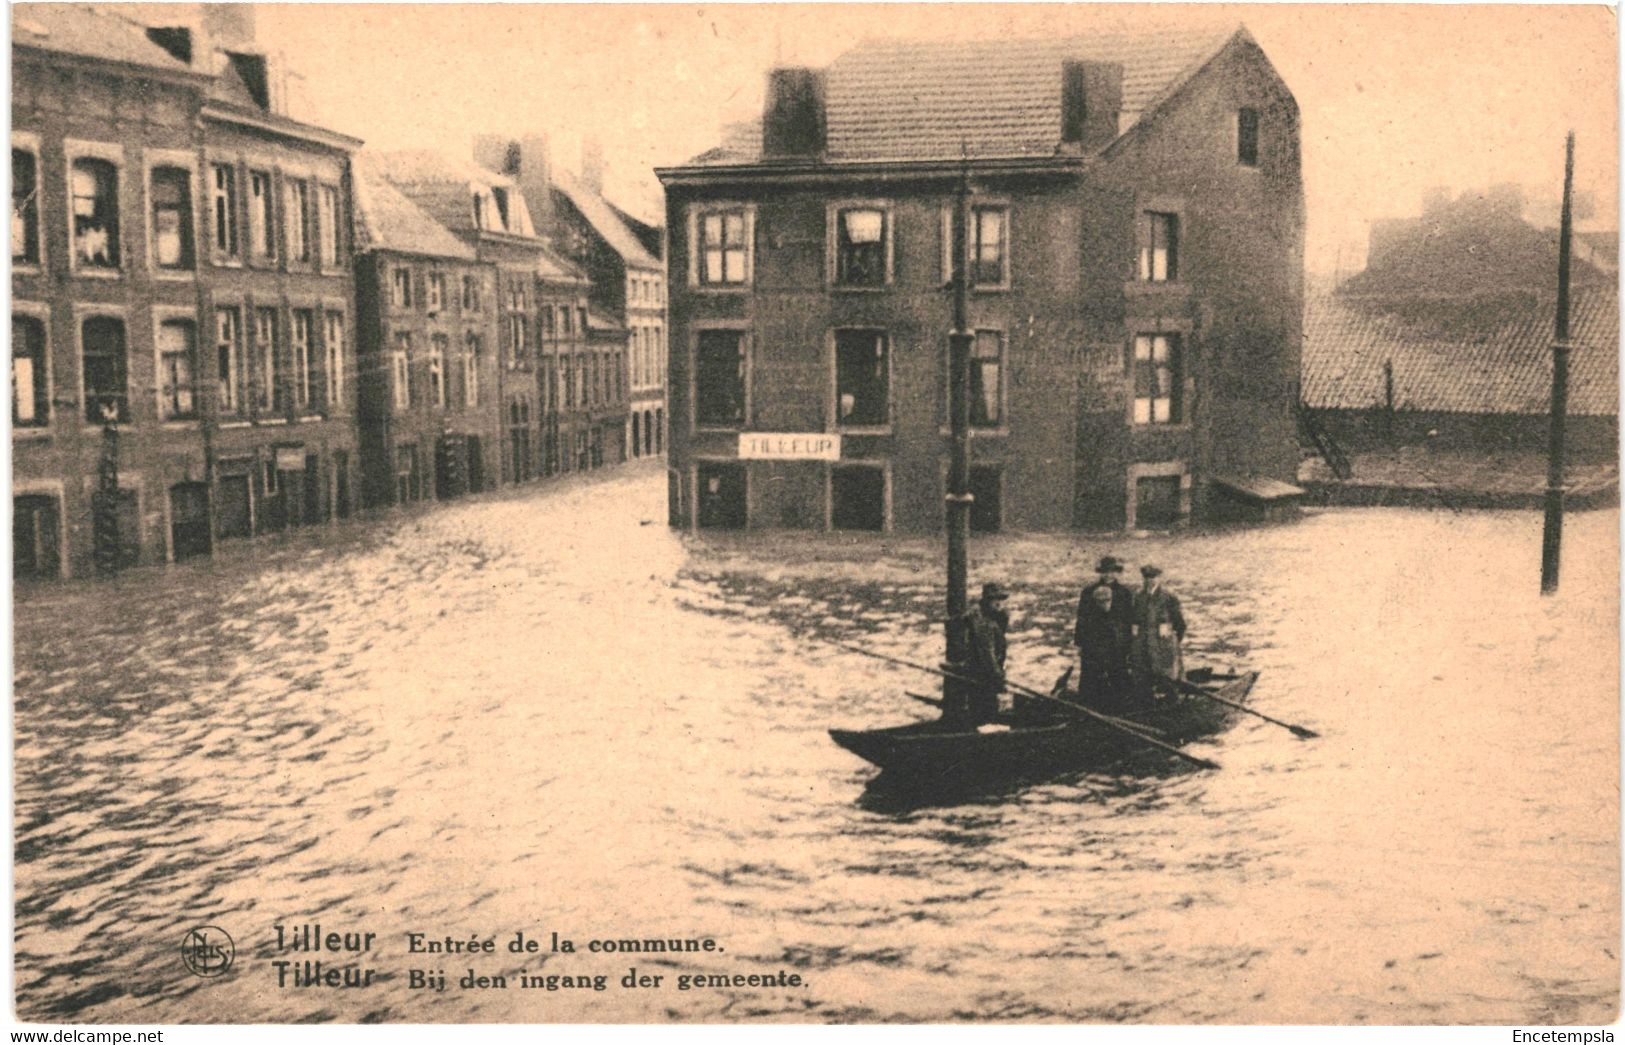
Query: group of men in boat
x,y
1127,641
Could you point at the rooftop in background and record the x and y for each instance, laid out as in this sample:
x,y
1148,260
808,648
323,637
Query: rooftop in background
x,y
1487,355
82,30
606,220
1000,98
386,220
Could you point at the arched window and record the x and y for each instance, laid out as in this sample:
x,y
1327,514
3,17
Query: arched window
x,y
95,214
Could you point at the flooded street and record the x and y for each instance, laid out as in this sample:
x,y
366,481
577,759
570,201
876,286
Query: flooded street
x,y
544,711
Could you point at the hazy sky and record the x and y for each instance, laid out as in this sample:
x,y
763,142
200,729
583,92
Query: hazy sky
x,y
1395,99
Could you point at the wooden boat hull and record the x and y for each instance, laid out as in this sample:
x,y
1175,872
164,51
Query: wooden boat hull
x,y
940,750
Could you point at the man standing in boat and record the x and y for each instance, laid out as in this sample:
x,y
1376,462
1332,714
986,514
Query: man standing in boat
x,y
1121,609
1159,632
985,626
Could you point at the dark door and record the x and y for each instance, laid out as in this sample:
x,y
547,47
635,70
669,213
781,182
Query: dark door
x,y
315,506
1156,502
858,497
189,519
235,519
721,496
341,483
35,537
476,465
986,512
129,529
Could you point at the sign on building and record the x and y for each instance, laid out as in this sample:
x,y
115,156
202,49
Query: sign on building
x,y
789,446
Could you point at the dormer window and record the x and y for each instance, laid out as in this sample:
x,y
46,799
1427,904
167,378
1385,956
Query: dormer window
x,y
500,196
1247,137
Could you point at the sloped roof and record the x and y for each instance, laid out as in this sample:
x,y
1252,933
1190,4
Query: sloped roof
x,y
386,220
80,29
605,221
1504,369
603,323
550,265
441,185
1000,98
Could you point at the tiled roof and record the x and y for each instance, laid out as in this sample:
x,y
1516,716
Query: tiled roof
x,y
1000,98
1504,369
81,29
386,220
441,186
550,265
602,217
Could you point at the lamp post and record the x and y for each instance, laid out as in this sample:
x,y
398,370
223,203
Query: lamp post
x,y
1551,545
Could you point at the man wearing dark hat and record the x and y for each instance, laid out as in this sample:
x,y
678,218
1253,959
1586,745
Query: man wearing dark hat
x,y
1090,630
1159,631
985,626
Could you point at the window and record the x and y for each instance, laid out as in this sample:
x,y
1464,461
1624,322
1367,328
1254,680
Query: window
x,y
988,256
861,247
270,392
471,370
333,344
95,214
719,378
400,363
581,320
548,326
105,370
437,370
1159,247
500,196
516,295
516,340
565,324
724,248
567,365
471,294
261,217
1156,379
30,388
857,497
24,209
228,339
298,209
406,473
177,369
434,297
987,379
304,381
597,377
172,218
1247,137
223,197
328,201
400,288
862,374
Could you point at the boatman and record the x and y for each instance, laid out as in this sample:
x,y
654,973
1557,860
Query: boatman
x,y
1159,632
1103,636
1109,570
985,626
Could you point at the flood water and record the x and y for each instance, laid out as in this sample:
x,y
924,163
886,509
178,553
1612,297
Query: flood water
x,y
543,711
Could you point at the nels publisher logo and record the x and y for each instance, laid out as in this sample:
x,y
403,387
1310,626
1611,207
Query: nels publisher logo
x,y
208,951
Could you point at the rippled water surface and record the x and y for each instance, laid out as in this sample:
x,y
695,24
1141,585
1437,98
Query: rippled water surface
x,y
544,711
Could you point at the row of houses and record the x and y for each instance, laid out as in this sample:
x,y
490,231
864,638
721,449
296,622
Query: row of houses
x,y
228,322
1135,267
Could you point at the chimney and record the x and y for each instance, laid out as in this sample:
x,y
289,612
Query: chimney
x,y
793,120
230,27
1091,101
592,165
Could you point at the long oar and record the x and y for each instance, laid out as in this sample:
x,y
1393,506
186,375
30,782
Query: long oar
x,y
1141,726
1073,708
1197,691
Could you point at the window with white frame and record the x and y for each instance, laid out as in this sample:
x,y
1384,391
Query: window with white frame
x,y
437,370
228,340
1157,379
471,293
471,370
298,211
333,345
177,370
302,352
400,363
105,366
724,247
328,206
270,390
25,230
516,339
261,216
1159,247
223,208
434,292
172,218
93,186
30,385
987,379
862,250
862,378
989,246
400,288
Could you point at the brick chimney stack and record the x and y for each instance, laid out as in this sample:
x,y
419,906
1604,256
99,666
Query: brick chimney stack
x,y
793,120
592,165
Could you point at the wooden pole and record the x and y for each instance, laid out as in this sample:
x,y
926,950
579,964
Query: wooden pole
x,y
1551,545
958,497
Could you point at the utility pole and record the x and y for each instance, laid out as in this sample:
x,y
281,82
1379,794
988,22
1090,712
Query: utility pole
x,y
958,498
1551,545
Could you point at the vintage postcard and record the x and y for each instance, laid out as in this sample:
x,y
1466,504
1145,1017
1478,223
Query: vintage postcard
x,y
826,514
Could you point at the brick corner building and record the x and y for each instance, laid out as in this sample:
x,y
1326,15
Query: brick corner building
x,y
1135,257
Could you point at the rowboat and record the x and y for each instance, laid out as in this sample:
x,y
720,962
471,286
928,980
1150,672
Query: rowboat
x,y
1038,738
